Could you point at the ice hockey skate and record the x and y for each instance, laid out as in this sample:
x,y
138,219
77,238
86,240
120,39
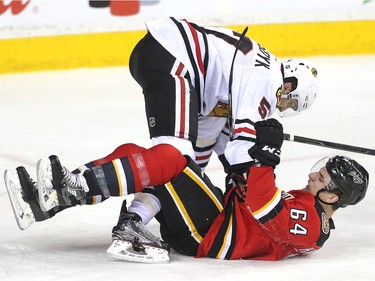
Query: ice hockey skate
x,y
57,186
132,242
23,196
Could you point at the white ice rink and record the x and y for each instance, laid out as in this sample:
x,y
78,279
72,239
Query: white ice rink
x,y
84,114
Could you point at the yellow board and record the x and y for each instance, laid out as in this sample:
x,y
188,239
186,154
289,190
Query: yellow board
x,y
318,38
114,48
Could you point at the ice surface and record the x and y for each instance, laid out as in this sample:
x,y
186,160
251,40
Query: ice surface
x,y
83,114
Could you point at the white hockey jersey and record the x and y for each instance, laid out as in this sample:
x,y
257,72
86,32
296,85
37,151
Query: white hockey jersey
x,y
207,53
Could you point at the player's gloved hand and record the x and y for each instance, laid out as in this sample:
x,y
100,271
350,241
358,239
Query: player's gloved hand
x,y
237,182
269,140
237,179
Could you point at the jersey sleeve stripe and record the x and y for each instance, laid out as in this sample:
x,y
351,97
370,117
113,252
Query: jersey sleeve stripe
x,y
197,48
268,207
244,130
204,37
199,87
272,214
244,121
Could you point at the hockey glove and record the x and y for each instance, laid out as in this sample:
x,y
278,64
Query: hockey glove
x,y
237,179
269,139
237,182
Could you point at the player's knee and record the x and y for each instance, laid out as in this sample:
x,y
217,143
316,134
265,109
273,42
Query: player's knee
x,y
183,145
169,153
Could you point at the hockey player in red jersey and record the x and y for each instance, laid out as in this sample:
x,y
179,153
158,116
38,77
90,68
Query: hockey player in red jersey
x,y
187,71
253,219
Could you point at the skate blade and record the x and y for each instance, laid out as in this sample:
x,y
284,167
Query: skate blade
x,y
21,210
123,250
46,194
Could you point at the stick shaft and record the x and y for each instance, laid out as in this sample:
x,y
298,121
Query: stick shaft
x,y
329,144
230,116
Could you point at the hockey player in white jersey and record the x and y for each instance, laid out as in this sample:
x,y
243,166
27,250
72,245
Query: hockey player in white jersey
x,y
186,72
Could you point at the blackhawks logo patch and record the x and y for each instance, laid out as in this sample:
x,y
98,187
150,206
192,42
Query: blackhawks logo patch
x,y
220,110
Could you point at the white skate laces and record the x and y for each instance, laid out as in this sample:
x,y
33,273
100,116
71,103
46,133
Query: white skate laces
x,y
74,182
57,186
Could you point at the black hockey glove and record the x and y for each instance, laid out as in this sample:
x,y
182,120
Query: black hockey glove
x,y
237,182
269,139
237,179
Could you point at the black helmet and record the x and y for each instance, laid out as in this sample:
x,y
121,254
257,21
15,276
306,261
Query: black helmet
x,y
350,178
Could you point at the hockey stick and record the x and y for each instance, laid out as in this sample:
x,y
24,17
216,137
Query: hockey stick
x,y
230,116
329,144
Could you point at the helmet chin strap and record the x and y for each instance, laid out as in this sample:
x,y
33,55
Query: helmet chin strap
x,y
321,200
281,96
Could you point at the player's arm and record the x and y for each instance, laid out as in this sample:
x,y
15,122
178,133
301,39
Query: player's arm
x,y
265,151
253,102
285,218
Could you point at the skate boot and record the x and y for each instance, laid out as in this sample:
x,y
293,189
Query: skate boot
x,y
23,195
57,186
131,241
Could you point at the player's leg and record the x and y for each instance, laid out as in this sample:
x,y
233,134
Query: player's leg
x,y
57,186
51,193
131,241
209,128
25,198
190,203
123,150
171,104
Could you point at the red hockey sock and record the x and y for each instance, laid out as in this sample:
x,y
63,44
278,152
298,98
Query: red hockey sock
x,y
123,150
147,167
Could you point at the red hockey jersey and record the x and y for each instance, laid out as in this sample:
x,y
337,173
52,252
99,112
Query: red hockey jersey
x,y
269,225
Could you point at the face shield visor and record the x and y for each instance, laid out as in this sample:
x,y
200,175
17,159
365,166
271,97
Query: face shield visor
x,y
322,163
